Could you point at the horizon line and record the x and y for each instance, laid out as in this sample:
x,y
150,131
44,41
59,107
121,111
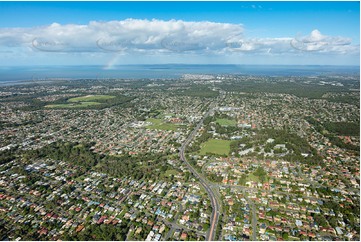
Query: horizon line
x,y
229,64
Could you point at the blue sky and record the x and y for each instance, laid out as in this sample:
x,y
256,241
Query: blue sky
x,y
240,32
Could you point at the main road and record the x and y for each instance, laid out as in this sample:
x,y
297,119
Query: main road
x,y
214,202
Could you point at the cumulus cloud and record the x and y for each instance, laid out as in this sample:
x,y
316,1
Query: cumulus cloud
x,y
262,45
314,42
163,37
126,35
318,42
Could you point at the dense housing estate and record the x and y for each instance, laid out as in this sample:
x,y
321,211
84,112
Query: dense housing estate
x,y
100,159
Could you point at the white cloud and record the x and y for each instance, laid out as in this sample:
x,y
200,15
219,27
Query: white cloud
x,y
162,38
264,45
318,42
126,35
314,42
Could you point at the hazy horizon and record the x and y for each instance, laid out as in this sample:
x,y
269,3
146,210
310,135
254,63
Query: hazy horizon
x,y
166,71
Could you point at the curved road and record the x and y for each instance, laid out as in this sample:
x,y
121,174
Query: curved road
x,y
215,213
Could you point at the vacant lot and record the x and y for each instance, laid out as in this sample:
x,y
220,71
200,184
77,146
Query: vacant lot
x,y
82,102
73,105
226,122
90,98
216,146
159,124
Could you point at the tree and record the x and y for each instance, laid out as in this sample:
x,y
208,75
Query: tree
x,y
261,173
285,236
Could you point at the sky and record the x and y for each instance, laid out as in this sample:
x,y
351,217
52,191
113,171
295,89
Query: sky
x,y
117,33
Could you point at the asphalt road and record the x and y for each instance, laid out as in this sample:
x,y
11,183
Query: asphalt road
x,y
214,203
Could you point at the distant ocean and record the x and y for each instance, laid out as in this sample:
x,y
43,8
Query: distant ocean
x,y
13,74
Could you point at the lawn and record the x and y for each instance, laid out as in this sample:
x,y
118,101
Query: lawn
x,y
154,121
216,146
253,178
90,98
226,122
73,105
159,124
171,172
81,102
166,114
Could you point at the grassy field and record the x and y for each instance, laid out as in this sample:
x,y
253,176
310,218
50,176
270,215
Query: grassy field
x,y
81,102
166,114
90,98
159,124
154,121
226,122
171,172
215,146
73,105
253,178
